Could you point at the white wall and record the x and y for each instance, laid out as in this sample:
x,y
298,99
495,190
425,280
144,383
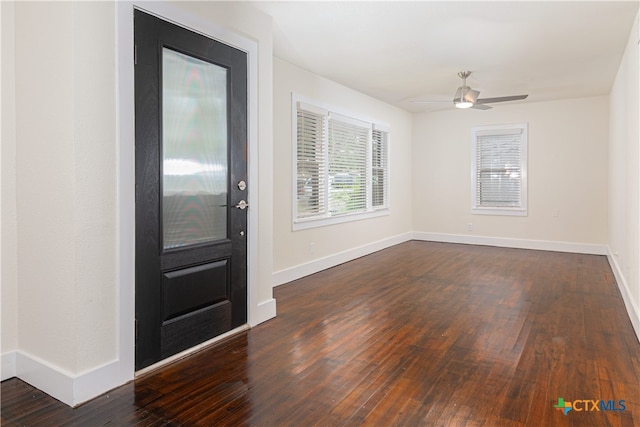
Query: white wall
x,y
624,178
292,253
567,171
58,211
65,129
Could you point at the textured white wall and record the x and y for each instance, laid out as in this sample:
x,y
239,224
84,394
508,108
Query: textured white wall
x,y
45,182
65,175
95,222
292,248
567,171
624,164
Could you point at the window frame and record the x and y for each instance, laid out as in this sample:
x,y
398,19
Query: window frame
x,y
327,218
507,129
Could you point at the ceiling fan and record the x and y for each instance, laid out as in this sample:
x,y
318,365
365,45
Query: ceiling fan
x,y
465,97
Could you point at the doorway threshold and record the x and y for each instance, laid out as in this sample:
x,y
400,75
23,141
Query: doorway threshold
x,y
188,352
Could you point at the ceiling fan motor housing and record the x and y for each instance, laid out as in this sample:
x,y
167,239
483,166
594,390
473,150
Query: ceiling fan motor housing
x,y
465,94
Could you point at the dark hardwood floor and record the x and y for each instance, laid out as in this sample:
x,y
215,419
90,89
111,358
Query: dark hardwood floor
x,y
420,334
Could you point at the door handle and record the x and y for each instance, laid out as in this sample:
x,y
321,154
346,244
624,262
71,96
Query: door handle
x,y
242,205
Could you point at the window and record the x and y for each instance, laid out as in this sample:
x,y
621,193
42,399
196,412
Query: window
x,y
379,168
499,170
341,167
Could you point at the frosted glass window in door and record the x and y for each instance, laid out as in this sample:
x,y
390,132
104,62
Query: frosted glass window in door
x,y
194,150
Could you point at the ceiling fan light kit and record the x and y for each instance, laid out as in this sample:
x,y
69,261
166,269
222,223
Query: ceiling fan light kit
x,y
463,104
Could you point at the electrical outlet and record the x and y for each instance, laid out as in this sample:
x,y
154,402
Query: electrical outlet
x,y
312,248
555,212
469,227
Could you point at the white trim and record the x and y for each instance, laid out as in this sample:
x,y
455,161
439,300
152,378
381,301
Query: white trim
x,y
125,189
8,365
499,130
302,270
505,242
306,223
264,311
632,308
62,385
46,377
499,211
95,382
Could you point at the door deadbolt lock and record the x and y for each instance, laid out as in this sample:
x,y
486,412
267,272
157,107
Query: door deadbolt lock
x,y
242,205
242,185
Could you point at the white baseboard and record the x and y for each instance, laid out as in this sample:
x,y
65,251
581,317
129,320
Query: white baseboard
x,y
264,311
542,245
97,381
64,386
302,270
293,273
632,308
46,377
8,365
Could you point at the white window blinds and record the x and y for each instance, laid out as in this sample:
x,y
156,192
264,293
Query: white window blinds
x,y
341,165
311,163
379,169
348,140
499,175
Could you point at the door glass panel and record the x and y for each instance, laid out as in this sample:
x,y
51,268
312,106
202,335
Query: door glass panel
x,y
194,150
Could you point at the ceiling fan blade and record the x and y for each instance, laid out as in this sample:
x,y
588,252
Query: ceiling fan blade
x,y
430,102
481,107
472,95
501,99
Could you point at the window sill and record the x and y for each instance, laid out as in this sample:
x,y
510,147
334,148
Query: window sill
x,y
500,211
306,223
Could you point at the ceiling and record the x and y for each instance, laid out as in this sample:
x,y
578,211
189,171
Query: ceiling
x,y
401,51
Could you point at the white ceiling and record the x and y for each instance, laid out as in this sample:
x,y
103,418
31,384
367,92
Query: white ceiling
x,y
400,51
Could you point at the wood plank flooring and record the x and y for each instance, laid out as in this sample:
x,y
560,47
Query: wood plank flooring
x,y
420,334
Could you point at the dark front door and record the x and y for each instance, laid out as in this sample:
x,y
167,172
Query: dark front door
x,y
191,188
